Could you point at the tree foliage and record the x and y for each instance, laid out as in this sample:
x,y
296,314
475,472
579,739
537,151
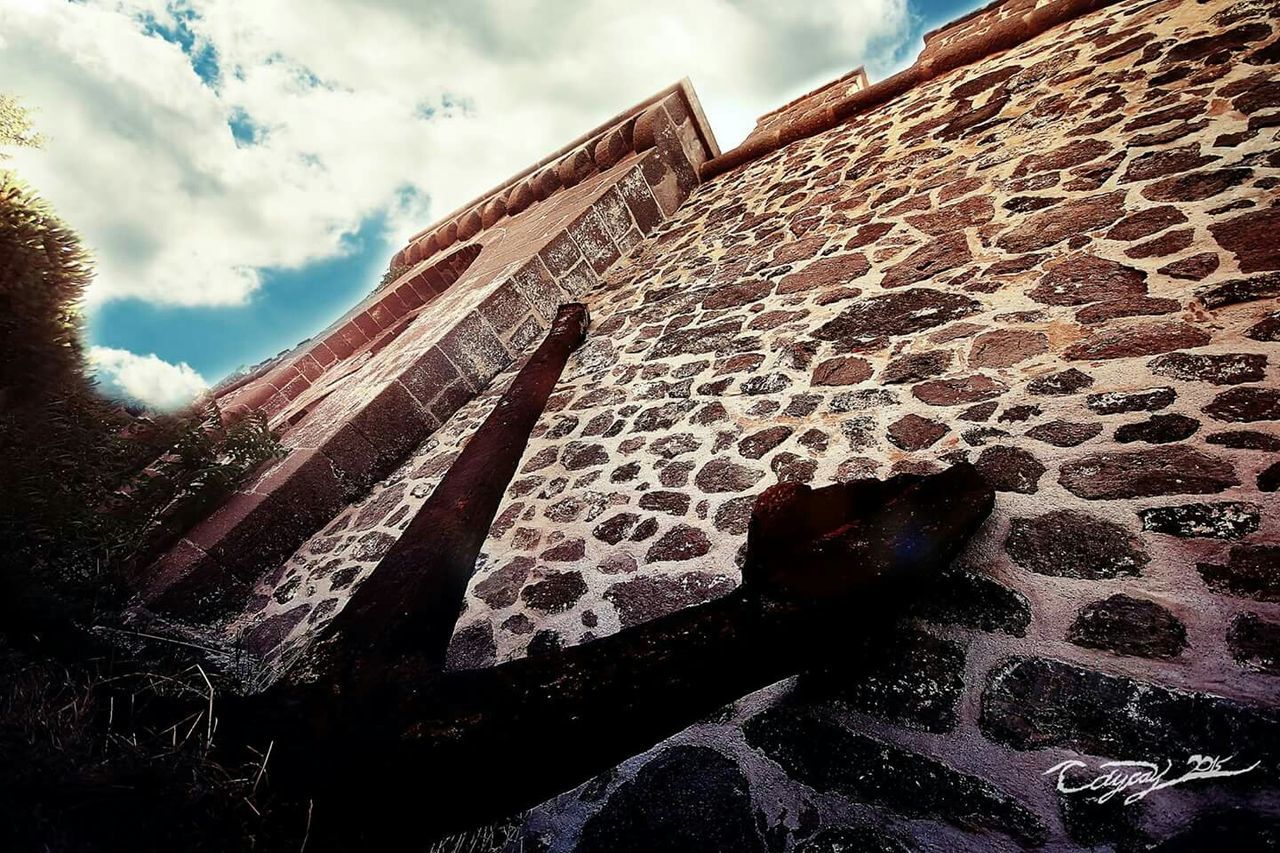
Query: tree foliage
x,y
66,452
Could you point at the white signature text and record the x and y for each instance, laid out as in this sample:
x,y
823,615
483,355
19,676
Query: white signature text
x,y
1142,777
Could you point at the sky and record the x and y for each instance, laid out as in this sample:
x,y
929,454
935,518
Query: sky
x,y
242,170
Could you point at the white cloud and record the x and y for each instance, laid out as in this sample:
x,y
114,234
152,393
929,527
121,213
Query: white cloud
x,y
141,158
148,379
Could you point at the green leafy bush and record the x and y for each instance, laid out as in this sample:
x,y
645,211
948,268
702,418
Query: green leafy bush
x,y
88,484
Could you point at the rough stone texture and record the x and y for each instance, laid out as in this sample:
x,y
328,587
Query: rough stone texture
x,y
1158,429
1064,433
1075,168
893,314
1245,405
970,599
1032,703
1010,469
1067,381
912,432
1216,369
1174,470
915,681
1251,571
687,798
828,757
1222,520
1066,543
1129,626
1117,402
1255,643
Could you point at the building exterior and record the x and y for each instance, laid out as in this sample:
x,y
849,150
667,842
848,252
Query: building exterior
x,y
1051,248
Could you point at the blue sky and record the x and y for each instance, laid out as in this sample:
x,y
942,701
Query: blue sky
x,y
242,171
289,307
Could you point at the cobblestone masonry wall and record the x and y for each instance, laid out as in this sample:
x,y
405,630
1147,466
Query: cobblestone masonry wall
x,y
1062,264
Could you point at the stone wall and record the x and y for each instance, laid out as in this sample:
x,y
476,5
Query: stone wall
x,y
1059,263
354,402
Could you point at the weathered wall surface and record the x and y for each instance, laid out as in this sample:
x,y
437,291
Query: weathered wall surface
x,y
355,402
1060,263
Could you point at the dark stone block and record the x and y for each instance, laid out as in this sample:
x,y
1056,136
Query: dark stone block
x,y
502,586
472,647
1224,520
1244,439
933,258
1172,470
902,312
646,598
912,432
914,367
1145,222
1137,340
675,503
910,678
1158,429
635,192
1079,279
1266,330
721,475
681,542
1134,306
555,593
852,839
1063,222
1067,381
1118,402
394,424
978,436
1035,703
1010,469
1238,290
475,350
265,636
1197,186
759,443
832,759
1195,268
615,528
1129,626
1070,544
965,598
1251,571
1255,643
841,370
1269,478
953,392
697,340
687,799
1241,237
578,455
1065,433
1226,830
429,375
1231,369
1246,405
